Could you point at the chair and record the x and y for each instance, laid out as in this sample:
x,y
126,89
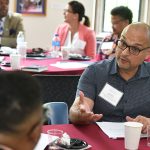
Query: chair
x,y
58,88
57,112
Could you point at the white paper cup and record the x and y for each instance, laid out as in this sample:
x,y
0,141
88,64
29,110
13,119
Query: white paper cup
x,y
132,135
65,52
15,61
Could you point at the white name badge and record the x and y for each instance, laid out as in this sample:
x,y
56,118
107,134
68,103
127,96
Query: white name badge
x,y
110,94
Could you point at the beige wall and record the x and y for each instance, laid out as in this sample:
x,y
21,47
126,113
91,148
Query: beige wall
x,y
39,29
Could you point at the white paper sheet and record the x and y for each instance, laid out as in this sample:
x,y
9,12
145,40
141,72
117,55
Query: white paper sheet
x,y
71,65
1,58
43,142
107,45
114,129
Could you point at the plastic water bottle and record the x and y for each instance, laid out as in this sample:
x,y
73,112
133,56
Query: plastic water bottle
x,y
21,44
20,37
55,46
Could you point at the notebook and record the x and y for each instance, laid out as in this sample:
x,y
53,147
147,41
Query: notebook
x,y
35,68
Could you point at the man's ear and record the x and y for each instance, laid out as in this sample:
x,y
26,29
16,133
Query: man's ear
x,y
35,134
126,22
148,54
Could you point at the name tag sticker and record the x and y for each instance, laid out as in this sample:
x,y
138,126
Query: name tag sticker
x,y
111,94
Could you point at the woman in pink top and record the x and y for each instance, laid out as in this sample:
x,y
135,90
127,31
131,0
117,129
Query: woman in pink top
x,y
75,34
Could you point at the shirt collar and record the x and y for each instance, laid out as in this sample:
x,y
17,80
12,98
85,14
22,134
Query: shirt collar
x,y
9,14
113,68
142,71
3,19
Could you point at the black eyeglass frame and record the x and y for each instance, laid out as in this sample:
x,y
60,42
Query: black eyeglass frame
x,y
134,51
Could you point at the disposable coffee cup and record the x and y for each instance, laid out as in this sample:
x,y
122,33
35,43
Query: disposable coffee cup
x,y
132,135
15,61
65,52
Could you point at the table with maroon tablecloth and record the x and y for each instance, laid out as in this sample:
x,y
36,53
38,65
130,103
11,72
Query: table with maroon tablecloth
x,y
94,136
52,70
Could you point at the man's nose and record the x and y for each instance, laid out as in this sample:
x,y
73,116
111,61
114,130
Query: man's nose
x,y
126,51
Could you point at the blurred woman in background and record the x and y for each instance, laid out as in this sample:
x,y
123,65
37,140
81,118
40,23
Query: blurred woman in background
x,y
75,34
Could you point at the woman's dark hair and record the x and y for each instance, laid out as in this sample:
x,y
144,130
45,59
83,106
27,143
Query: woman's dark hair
x,y
78,8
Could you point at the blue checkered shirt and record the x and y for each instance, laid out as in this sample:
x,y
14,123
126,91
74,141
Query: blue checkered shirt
x,y
135,100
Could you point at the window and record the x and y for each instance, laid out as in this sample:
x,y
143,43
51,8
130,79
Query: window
x,y
134,5
104,7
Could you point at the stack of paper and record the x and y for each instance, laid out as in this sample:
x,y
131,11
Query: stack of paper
x,y
1,58
114,129
35,68
43,142
71,65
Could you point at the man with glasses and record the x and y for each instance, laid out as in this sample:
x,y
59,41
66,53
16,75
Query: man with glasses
x,y
21,111
121,16
117,90
132,49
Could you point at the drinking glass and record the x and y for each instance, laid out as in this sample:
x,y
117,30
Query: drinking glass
x,y
54,136
148,135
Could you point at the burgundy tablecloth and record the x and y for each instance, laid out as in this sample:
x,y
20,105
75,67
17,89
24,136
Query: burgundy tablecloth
x,y
51,69
94,136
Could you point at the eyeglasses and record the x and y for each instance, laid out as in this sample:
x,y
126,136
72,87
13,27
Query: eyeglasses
x,y
117,22
67,10
132,49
